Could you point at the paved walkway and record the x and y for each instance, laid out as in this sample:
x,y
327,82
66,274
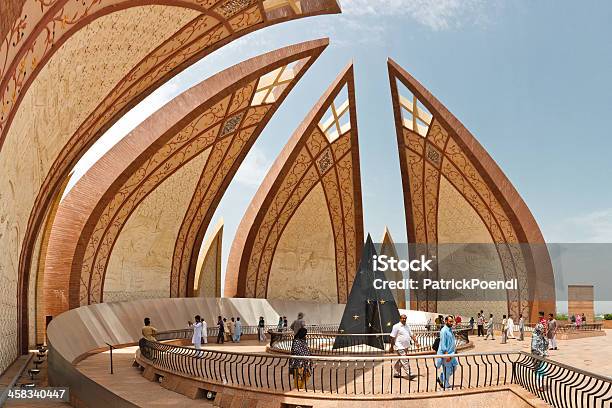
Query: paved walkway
x,y
585,353
589,354
128,382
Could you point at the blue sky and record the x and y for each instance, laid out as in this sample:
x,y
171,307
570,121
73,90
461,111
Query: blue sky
x,y
531,80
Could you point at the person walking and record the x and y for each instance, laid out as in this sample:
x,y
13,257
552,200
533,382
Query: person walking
x,y
204,331
148,332
237,330
196,339
221,330
472,325
400,338
261,334
510,334
298,323
490,328
231,327
544,322
480,320
447,346
539,347
521,327
299,368
279,326
226,330
578,321
504,329
285,323
552,332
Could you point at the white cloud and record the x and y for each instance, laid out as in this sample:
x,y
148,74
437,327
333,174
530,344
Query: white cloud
x,y
435,14
254,168
591,227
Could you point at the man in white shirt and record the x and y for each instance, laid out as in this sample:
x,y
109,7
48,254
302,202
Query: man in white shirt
x,y
510,334
196,340
401,335
204,331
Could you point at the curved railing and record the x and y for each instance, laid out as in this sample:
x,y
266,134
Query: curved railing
x,y
213,331
559,385
371,344
565,328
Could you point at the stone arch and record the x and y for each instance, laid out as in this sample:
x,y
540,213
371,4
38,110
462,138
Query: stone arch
x,y
321,156
222,117
34,31
433,147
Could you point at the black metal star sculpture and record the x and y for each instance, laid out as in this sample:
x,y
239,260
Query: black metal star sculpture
x,y
365,301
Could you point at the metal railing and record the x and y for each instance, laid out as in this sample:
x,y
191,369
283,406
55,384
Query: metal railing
x,y
350,344
213,331
560,328
559,385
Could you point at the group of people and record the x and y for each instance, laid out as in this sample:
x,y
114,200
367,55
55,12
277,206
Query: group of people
x,y
402,337
578,320
228,330
507,329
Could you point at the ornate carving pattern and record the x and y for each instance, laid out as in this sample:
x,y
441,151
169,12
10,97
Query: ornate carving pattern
x,y
29,43
315,161
231,124
231,7
423,184
433,155
186,144
325,161
208,191
222,129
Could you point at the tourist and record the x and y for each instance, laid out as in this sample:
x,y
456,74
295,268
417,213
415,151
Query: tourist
x,y
428,324
285,323
261,334
300,369
521,327
149,332
400,338
447,346
490,328
539,347
504,329
221,330
573,319
226,330
231,327
480,320
279,326
237,330
298,323
458,320
472,325
204,331
552,332
544,322
578,321
583,318
510,334
196,339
